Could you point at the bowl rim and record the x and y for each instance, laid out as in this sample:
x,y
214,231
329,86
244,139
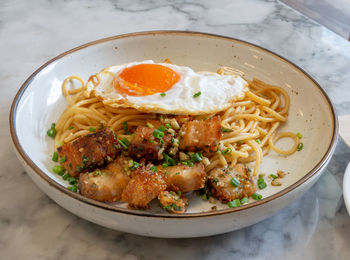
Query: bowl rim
x,y
105,206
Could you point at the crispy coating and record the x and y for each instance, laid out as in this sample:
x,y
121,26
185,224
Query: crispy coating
x,y
172,202
145,145
144,186
88,152
221,187
201,135
185,178
105,184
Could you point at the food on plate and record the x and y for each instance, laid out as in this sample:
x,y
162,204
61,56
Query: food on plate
x,y
145,130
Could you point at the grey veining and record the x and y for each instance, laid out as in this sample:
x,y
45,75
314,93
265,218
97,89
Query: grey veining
x,y
32,226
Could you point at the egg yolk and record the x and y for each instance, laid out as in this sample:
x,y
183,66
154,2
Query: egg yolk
x,y
145,79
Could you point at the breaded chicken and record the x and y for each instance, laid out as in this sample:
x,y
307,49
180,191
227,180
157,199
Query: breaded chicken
x,y
144,186
88,152
185,178
105,184
145,145
203,135
172,202
220,180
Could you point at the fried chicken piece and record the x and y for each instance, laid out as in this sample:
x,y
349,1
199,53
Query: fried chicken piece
x,y
222,188
88,152
105,184
185,178
144,186
145,145
172,202
201,135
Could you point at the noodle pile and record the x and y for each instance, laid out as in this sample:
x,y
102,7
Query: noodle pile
x,y
249,126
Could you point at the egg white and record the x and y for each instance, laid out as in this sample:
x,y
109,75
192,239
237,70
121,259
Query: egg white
x,y
217,92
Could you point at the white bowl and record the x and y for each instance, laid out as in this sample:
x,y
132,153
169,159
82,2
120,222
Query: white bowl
x,y
39,102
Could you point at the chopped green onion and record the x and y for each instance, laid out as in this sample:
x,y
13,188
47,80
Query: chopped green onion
x,y
234,203
170,161
72,180
154,168
74,188
134,165
235,182
126,141
63,159
52,131
273,176
92,129
225,130
58,169
164,165
240,142
167,125
65,177
299,135
197,94
249,170
179,192
204,196
122,144
196,157
158,133
258,141
300,147
97,173
162,94
226,151
244,200
257,196
71,127
55,157
126,128
162,128
262,184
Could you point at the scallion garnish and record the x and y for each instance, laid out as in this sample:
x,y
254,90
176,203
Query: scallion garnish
x,y
162,128
235,182
226,130
258,141
125,146
55,157
226,151
134,165
273,176
63,159
299,135
92,129
52,131
196,157
162,94
154,168
71,127
300,147
257,196
167,125
234,203
158,133
58,169
126,128
240,142
197,94
170,161
261,183
244,200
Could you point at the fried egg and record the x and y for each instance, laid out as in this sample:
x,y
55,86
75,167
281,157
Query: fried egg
x,y
165,88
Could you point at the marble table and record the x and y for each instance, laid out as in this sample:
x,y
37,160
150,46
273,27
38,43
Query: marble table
x,y
32,226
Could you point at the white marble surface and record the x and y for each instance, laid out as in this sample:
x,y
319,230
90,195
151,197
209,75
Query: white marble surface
x,y
32,226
